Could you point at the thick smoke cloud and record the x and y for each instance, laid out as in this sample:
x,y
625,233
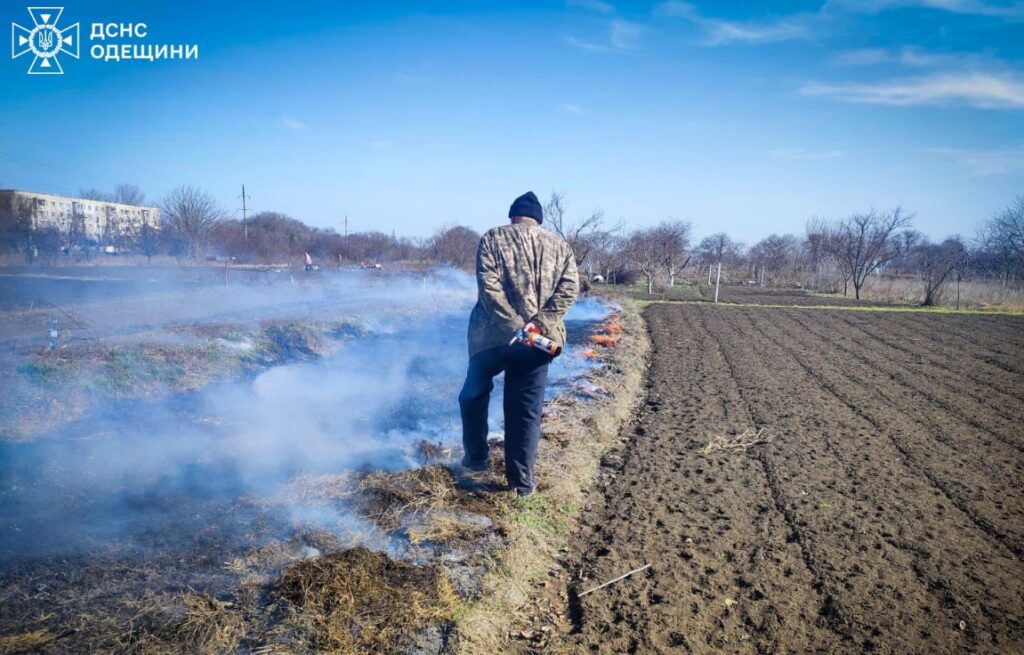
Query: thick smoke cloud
x,y
135,474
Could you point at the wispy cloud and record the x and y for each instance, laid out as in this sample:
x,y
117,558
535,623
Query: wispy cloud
x,y
292,123
720,32
906,56
622,35
982,90
625,34
803,154
985,162
572,109
1006,10
599,6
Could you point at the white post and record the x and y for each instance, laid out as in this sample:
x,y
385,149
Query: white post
x,y
710,267
718,279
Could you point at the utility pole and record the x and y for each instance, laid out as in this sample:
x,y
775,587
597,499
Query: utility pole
x,y
346,224
245,226
718,277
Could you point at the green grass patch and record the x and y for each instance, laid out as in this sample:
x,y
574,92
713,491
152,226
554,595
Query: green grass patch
x,y
539,511
46,370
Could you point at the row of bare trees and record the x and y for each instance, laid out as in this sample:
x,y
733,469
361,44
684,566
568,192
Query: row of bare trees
x,y
831,255
834,256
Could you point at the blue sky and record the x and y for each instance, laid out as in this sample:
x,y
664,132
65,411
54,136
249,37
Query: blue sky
x,y
743,117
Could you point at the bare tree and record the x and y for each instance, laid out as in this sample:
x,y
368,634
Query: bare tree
x,y
190,214
72,231
673,243
863,243
935,262
147,241
641,250
1009,224
17,228
94,194
129,194
583,235
775,257
1001,242
455,245
717,248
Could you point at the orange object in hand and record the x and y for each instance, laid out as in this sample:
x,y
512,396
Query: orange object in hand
x,y
530,335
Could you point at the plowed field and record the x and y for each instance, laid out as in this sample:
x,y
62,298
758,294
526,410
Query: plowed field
x,y
884,514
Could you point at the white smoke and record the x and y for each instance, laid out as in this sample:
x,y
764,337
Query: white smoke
x,y
159,464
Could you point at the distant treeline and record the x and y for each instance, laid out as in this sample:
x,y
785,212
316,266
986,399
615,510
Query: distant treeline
x,y
840,255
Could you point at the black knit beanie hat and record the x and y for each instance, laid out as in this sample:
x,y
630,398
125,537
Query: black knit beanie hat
x,y
527,205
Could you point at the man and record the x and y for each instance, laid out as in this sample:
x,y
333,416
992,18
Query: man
x,y
526,278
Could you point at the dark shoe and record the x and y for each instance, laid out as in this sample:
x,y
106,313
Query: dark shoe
x,y
522,493
474,466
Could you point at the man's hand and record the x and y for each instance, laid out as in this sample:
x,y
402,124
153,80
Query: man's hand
x,y
527,334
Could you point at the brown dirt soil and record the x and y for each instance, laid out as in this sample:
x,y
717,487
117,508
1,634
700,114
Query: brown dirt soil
x,y
771,296
884,514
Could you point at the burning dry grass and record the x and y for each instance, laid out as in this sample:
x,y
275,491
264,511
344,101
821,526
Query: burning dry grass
x,y
361,601
352,599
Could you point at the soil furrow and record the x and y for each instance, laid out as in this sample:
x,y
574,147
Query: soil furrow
x,y
998,456
998,345
947,573
875,520
677,508
941,400
956,368
922,455
890,549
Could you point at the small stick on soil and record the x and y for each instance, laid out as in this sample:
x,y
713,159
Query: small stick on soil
x,y
624,575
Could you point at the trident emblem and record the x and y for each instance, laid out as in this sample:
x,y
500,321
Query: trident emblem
x,y
44,40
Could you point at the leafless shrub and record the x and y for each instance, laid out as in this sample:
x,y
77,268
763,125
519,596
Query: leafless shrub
x,y
191,214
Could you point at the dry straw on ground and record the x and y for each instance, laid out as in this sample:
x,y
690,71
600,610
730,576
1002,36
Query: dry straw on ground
x,y
360,601
742,441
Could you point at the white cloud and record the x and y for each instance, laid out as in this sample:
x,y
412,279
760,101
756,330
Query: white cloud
x,y
720,32
623,35
585,45
982,90
1007,10
906,56
293,124
985,162
599,6
802,154
572,109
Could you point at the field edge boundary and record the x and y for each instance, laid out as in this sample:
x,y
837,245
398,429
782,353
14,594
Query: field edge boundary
x,y
541,524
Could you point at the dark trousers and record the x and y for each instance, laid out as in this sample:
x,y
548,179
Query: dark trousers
x,y
526,373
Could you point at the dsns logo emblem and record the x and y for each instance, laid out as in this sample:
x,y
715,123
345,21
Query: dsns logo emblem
x,y
44,40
